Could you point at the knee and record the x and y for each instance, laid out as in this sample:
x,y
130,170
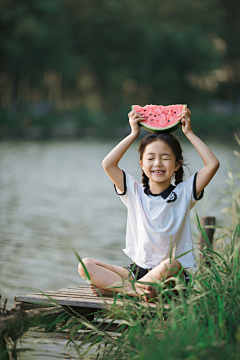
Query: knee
x,y
170,266
88,264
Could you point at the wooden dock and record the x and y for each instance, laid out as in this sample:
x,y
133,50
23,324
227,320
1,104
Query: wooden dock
x,y
47,315
78,300
80,296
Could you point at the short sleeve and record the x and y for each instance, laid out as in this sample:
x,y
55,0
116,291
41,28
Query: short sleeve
x,y
196,196
130,188
193,196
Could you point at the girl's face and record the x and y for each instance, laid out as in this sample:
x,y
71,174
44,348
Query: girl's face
x,y
159,162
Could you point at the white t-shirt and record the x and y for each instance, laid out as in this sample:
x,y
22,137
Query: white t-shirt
x,y
158,223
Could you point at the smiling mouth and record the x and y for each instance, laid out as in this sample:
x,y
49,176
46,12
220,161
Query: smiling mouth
x,y
158,172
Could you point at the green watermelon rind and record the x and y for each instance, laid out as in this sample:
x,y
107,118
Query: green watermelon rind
x,y
167,129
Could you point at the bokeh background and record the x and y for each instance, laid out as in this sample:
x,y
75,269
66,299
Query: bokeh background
x,y
74,67
69,72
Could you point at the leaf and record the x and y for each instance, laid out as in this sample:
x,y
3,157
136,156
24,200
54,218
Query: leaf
x,y
201,229
83,265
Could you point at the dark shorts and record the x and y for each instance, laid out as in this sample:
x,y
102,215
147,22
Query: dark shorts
x,y
138,272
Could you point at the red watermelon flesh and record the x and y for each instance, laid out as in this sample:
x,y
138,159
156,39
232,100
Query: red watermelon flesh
x,y
159,117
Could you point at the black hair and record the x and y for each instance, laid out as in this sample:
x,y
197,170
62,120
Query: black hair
x,y
174,144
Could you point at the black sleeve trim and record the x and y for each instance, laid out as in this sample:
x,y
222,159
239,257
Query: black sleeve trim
x,y
194,189
125,185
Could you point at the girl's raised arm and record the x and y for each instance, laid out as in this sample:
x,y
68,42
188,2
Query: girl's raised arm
x,y
110,162
211,163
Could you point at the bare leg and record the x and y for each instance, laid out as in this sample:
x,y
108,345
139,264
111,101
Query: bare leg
x,y
164,270
109,278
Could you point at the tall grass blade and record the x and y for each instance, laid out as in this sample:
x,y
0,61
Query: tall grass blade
x,y
201,229
83,265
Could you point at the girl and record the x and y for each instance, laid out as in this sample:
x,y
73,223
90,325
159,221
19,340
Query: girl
x,y
158,212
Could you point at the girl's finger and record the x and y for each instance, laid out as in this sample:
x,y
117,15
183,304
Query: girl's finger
x,y
138,119
135,113
138,116
181,113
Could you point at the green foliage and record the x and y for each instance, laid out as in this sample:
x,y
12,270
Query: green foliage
x,y
36,37
133,52
230,35
155,43
232,197
102,124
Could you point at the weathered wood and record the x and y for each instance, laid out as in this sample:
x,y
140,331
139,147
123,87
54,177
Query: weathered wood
x,y
101,326
63,300
30,306
79,297
64,335
14,323
208,223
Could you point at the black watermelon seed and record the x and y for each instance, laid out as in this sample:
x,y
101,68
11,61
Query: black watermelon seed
x,y
150,114
144,110
174,112
155,115
168,120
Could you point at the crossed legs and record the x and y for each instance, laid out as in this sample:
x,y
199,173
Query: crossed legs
x,y
109,278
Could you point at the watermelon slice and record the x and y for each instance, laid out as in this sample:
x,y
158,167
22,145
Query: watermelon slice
x,y
159,117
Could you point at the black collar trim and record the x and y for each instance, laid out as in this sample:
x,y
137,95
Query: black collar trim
x,y
165,193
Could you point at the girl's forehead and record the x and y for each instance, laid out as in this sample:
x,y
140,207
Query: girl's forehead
x,y
158,146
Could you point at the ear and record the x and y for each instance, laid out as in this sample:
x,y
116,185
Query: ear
x,y
177,166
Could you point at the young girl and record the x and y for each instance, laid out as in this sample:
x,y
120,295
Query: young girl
x,y
158,212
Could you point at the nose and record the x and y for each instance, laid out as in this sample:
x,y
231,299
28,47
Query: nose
x,y
158,161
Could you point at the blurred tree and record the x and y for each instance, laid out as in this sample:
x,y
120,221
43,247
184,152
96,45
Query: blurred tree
x,y
147,46
35,37
230,88
134,51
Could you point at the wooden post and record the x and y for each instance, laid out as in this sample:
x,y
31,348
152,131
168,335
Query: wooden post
x,y
208,224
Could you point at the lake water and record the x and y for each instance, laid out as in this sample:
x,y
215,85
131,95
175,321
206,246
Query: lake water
x,y
55,197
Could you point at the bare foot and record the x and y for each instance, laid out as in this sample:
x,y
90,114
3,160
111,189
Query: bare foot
x,y
148,292
96,291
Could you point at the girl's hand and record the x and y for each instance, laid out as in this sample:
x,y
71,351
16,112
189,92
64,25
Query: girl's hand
x,y
134,119
185,117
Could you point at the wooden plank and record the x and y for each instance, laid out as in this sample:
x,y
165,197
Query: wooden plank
x,y
74,294
62,335
65,293
66,296
80,297
91,303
